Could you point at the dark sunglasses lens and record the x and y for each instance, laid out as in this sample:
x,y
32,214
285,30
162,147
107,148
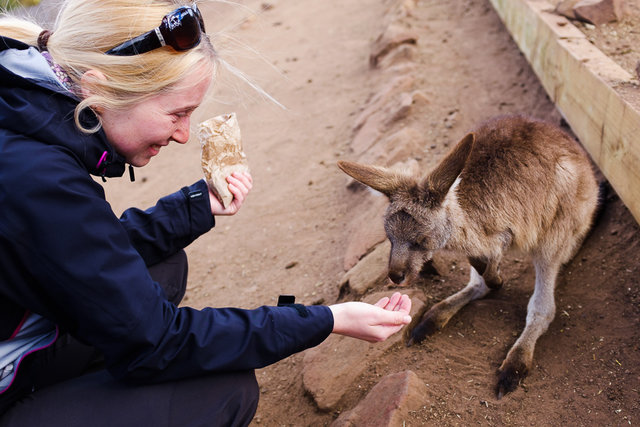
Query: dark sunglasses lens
x,y
181,29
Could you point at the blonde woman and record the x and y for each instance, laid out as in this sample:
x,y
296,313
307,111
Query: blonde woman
x,y
90,328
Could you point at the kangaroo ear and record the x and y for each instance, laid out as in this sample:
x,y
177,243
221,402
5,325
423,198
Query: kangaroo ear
x,y
444,175
378,178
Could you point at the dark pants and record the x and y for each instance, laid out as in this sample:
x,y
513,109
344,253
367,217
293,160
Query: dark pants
x,y
65,385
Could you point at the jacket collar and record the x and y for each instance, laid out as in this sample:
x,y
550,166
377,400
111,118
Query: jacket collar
x,y
34,105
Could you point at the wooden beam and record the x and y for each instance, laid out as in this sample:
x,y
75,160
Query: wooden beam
x,y
586,87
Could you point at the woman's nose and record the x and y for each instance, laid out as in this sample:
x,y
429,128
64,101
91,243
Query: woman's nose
x,y
181,134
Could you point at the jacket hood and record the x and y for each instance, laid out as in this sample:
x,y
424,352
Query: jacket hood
x,y
34,104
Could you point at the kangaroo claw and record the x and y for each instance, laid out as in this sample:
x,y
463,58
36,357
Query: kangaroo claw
x,y
508,380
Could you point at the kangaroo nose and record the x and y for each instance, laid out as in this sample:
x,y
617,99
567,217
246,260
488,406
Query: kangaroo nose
x,y
396,277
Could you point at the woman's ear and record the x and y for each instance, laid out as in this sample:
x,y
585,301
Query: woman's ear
x,y
88,82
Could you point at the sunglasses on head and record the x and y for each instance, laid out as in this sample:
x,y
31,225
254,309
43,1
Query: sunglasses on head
x,y
180,29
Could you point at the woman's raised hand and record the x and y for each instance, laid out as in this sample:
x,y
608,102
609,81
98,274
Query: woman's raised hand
x,y
239,184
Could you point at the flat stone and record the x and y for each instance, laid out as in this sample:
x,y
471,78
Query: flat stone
x,y
402,55
365,228
378,123
388,403
393,36
368,273
377,102
392,103
332,367
401,146
599,12
565,8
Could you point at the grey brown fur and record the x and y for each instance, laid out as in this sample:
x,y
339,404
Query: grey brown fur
x,y
512,183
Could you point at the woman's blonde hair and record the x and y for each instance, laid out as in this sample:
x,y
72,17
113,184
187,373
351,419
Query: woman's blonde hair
x,y
86,29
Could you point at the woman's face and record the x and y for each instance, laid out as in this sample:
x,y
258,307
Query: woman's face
x,y
137,133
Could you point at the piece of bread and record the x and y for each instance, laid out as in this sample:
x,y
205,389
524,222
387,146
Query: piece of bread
x,y
221,154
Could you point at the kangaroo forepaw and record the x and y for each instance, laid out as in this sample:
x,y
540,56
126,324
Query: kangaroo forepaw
x,y
425,328
509,378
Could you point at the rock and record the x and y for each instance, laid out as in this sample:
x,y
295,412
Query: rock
x,y
397,9
365,229
388,103
407,143
371,132
565,8
368,273
331,368
401,109
599,12
378,123
393,36
403,54
386,93
388,403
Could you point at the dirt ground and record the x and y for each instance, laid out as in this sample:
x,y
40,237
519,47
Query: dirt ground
x,y
620,41
290,236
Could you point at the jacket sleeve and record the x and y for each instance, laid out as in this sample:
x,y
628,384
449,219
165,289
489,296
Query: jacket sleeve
x,y
172,224
76,266
227,339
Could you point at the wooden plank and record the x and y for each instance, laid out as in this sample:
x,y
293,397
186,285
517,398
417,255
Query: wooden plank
x,y
583,84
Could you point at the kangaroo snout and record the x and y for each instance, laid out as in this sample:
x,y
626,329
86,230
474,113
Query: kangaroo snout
x,y
406,263
398,264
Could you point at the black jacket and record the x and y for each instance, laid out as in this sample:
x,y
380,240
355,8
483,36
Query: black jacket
x,y
66,256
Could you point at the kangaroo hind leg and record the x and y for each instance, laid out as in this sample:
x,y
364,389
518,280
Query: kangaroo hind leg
x,y
540,313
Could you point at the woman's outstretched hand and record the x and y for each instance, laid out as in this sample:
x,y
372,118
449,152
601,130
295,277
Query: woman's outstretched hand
x,y
372,322
239,184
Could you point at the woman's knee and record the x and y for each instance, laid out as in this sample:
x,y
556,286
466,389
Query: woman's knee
x,y
221,399
247,394
171,274
231,399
